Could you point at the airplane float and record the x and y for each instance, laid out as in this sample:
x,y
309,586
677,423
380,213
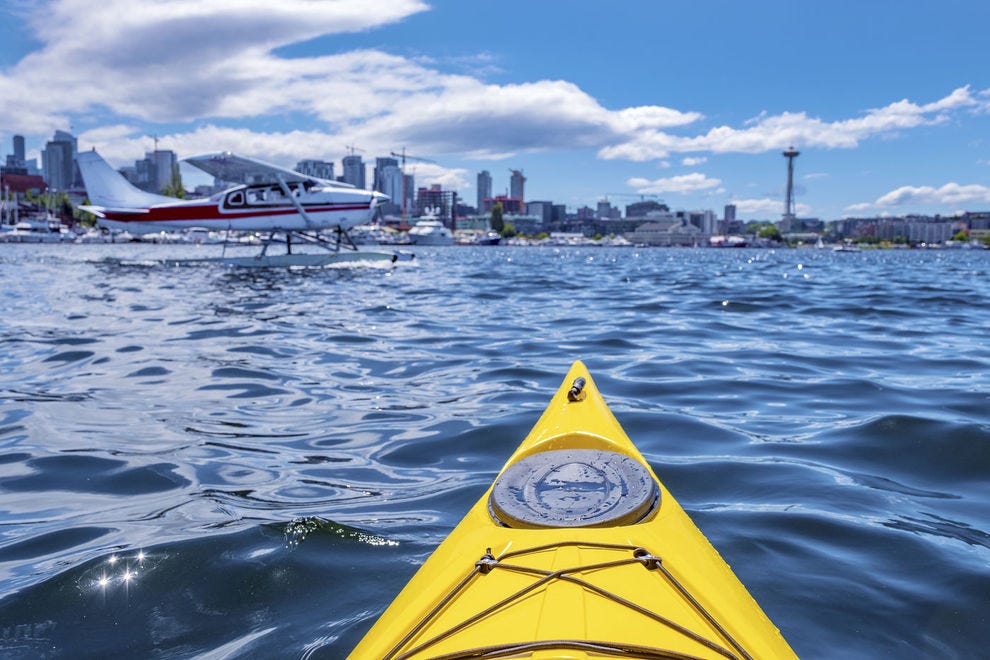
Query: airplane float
x,y
267,198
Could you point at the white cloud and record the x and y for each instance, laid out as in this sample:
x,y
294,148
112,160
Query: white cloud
x,y
185,61
685,183
771,132
767,207
204,69
177,60
946,195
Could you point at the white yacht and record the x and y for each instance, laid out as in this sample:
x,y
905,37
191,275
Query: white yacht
x,y
40,229
429,230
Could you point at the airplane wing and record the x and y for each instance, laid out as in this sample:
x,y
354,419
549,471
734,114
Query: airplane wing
x,y
230,167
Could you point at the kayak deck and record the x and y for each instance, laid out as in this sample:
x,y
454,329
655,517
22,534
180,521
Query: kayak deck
x,y
576,584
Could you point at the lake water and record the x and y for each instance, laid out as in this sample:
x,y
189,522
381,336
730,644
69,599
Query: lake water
x,y
197,461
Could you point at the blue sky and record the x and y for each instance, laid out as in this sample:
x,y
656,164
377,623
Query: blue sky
x,y
686,101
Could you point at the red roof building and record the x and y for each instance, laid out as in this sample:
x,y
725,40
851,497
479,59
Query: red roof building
x,y
22,183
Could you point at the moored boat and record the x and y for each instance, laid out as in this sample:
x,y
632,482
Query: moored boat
x,y
430,230
577,550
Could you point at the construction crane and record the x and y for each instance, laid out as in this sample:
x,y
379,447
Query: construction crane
x,y
404,156
351,148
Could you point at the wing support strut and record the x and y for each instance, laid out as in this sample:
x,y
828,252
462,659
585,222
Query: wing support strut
x,y
295,201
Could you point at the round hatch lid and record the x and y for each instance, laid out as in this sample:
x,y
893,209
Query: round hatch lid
x,y
574,488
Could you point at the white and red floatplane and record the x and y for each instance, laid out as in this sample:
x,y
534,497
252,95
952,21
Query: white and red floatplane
x,y
267,198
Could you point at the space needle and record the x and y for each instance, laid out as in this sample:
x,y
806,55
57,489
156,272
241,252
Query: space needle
x,y
789,216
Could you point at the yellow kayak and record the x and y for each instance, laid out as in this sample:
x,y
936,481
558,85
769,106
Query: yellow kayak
x,y
576,551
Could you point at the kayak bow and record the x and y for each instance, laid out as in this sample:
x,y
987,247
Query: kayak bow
x,y
577,550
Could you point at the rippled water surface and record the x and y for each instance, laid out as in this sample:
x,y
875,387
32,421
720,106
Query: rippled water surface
x,y
204,462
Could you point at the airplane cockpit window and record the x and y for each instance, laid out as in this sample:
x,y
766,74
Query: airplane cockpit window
x,y
236,198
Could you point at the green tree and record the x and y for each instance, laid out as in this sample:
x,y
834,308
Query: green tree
x,y
769,230
174,188
497,223
961,236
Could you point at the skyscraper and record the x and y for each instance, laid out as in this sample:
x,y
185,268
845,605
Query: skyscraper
x,y
389,178
57,164
166,168
19,148
381,166
484,189
318,168
517,186
354,172
15,163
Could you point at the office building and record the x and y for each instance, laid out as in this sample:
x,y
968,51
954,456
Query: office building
x,y
484,189
57,164
517,186
541,210
15,162
384,168
320,169
354,171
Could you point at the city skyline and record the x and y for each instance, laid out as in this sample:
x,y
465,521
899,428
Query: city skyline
x,y
691,103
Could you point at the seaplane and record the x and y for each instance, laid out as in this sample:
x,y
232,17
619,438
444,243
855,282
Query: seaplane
x,y
265,198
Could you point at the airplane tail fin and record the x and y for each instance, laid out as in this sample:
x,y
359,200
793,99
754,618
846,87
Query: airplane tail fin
x,y
106,187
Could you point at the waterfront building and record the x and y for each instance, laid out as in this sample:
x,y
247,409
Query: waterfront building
x,y
930,232
321,169
354,171
913,229
510,205
478,223
646,209
14,188
667,233
484,189
530,225
703,220
435,200
542,210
